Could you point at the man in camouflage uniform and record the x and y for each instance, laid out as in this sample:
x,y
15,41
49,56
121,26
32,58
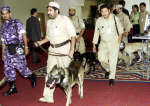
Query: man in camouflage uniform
x,y
13,33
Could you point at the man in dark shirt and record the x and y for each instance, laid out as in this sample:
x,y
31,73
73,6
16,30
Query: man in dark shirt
x,y
122,2
34,33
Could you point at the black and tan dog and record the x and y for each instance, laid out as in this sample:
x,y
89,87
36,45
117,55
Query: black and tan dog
x,y
90,61
67,78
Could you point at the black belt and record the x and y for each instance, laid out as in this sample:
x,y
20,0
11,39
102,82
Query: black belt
x,y
60,44
12,44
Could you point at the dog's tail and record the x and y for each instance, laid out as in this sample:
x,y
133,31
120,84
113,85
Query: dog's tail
x,y
3,81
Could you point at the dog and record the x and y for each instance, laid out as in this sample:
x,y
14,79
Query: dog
x,y
67,78
128,52
90,63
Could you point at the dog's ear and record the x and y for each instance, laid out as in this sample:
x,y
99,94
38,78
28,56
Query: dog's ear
x,y
55,66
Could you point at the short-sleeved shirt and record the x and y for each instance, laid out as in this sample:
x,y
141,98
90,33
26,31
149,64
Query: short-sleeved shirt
x,y
78,23
106,29
60,29
134,18
11,31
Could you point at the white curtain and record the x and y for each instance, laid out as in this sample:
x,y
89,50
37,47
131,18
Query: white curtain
x,y
65,4
77,2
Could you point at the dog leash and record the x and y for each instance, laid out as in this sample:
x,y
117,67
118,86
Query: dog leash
x,y
51,53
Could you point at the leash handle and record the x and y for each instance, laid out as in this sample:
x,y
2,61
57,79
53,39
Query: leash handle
x,y
41,47
51,53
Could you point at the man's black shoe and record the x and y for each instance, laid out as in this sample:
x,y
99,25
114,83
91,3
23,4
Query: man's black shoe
x,y
12,89
107,75
111,82
33,80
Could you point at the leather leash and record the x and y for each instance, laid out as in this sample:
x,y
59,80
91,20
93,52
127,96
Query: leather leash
x,y
51,53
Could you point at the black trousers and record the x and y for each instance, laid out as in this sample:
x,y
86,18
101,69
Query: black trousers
x,y
35,53
136,30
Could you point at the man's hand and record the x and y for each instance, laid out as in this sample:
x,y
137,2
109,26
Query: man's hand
x,y
72,47
3,51
94,48
119,39
78,39
28,40
71,54
126,34
2,56
26,51
37,43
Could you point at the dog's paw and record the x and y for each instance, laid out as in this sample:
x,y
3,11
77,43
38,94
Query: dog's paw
x,y
139,60
70,101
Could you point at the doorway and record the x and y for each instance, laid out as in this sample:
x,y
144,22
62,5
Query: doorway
x,y
41,17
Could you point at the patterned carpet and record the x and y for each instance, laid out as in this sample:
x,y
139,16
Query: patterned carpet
x,y
135,73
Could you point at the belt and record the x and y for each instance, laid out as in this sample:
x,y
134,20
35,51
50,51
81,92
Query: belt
x,y
15,44
60,44
12,44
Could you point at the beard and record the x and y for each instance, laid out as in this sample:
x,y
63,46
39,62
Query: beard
x,y
5,18
52,16
71,14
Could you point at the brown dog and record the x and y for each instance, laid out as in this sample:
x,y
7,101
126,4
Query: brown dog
x,y
67,78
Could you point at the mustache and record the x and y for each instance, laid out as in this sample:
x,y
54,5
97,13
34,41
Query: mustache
x,y
50,16
71,14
